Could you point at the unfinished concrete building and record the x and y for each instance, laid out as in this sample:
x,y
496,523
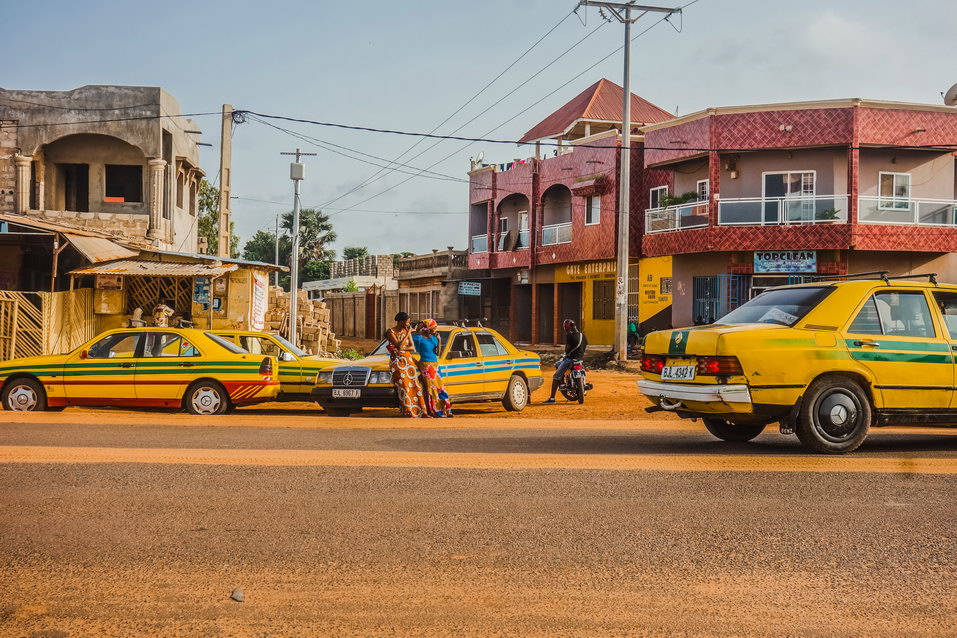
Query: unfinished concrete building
x,y
112,159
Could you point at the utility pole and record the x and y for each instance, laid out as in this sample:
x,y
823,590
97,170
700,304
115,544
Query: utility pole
x,y
622,12
297,172
225,181
276,261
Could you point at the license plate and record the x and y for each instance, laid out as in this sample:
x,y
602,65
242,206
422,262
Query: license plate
x,y
346,393
678,373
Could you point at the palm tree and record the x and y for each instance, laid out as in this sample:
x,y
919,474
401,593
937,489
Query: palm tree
x,y
315,235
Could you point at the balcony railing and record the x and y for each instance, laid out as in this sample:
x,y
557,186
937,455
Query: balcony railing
x,y
557,234
907,211
773,211
479,244
680,217
523,240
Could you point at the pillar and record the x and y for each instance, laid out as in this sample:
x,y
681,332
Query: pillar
x,y
21,200
853,166
155,183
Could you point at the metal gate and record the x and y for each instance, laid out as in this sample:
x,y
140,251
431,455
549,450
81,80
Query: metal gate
x,y
39,323
717,295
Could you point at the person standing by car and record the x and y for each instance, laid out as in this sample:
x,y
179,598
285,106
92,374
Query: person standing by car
x,y
575,344
428,345
405,374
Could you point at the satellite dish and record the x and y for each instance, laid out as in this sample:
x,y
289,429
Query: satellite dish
x,y
481,155
950,97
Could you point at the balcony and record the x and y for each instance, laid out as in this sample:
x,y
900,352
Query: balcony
x,y
907,211
479,244
557,234
679,217
775,211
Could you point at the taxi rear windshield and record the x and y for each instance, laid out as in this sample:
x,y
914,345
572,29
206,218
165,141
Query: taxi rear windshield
x,y
229,345
783,307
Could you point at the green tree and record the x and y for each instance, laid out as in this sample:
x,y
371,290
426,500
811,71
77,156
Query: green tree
x,y
352,286
262,247
207,225
315,235
353,252
315,256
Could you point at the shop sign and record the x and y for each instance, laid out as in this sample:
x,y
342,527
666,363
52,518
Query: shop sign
x,y
470,288
257,318
201,292
591,270
109,282
785,261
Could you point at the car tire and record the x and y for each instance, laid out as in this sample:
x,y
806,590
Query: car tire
x,y
338,412
24,395
516,394
732,433
835,415
206,398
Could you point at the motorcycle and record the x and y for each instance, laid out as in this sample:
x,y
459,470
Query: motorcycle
x,y
574,385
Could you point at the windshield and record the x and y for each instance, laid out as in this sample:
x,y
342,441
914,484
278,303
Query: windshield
x,y
783,306
291,348
229,345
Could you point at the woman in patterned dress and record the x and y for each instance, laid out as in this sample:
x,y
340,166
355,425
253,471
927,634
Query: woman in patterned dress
x,y
405,373
428,345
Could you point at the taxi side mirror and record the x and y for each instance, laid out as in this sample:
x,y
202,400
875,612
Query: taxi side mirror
x,y
287,356
84,354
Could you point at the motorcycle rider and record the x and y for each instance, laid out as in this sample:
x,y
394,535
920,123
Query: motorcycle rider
x,y
575,344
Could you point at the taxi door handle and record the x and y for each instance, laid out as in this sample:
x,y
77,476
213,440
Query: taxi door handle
x,y
867,344
186,364
126,365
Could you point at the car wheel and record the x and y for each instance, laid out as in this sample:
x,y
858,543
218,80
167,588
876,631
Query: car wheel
x,y
338,412
24,395
206,397
516,394
727,431
835,416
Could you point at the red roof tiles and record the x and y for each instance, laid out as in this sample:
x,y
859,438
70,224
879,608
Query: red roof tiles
x,y
601,101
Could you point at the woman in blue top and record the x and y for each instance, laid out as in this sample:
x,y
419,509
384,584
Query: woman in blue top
x,y
428,346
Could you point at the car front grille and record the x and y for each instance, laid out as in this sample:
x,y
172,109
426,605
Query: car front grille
x,y
351,377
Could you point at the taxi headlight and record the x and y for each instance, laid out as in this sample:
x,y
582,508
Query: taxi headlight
x,y
384,376
324,378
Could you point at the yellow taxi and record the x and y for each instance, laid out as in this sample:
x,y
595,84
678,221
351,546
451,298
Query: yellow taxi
x,y
142,367
297,370
476,365
826,360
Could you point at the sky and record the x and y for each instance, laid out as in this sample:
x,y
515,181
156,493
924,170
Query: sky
x,y
409,66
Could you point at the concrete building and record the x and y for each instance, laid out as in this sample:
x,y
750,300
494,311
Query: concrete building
x,y
429,286
112,159
543,230
778,192
371,271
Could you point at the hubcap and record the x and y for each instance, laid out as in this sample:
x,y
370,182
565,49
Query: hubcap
x,y
22,398
519,395
837,416
206,400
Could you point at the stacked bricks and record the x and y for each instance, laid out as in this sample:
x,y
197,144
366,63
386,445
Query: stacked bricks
x,y
315,335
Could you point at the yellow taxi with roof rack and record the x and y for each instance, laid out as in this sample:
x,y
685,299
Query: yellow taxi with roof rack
x,y
826,360
184,368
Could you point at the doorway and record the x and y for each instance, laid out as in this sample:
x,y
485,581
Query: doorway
x,y
75,179
523,313
546,311
570,302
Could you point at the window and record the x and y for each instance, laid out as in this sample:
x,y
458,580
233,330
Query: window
x,y
947,302
902,314
894,191
124,183
166,344
664,286
490,346
180,189
592,210
783,306
654,199
704,189
502,233
260,345
603,299
117,346
192,198
462,347
225,343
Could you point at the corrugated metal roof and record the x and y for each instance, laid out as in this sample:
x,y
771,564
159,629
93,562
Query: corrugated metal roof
x,y
601,101
97,249
135,267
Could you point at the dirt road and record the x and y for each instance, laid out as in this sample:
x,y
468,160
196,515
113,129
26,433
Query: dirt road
x,y
554,523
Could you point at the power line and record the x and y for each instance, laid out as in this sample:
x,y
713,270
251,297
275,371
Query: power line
x,y
116,119
364,210
79,108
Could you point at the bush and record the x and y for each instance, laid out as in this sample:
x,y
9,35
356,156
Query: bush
x,y
350,353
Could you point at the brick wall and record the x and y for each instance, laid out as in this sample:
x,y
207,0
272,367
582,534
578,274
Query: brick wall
x,y
127,226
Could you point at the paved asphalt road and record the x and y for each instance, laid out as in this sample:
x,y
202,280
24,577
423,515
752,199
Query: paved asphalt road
x,y
142,525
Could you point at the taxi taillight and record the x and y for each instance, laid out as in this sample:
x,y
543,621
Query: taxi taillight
x,y
265,368
719,366
652,363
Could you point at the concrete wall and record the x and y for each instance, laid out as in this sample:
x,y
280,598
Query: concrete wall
x,y
944,264
684,269
686,179
932,174
8,172
830,166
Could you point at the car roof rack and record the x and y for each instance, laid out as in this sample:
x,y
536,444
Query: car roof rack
x,y
880,274
931,277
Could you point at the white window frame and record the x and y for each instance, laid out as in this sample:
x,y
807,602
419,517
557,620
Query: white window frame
x,y
893,199
502,225
707,189
801,195
593,202
661,190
